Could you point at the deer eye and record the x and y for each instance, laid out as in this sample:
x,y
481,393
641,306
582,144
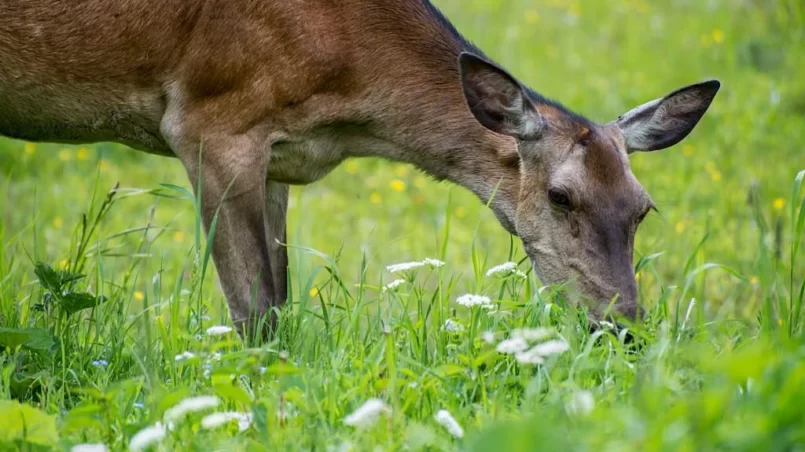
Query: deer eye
x,y
559,198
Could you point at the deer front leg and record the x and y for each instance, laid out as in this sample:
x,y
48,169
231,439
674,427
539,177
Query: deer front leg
x,y
233,187
275,216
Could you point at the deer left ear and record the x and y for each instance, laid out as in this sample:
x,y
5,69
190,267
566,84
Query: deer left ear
x,y
664,122
497,100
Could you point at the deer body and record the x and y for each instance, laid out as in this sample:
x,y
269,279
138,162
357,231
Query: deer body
x,y
282,92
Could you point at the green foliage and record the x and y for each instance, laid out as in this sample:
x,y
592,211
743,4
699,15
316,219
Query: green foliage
x,y
106,299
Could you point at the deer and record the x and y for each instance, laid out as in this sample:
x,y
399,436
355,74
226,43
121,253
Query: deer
x,y
253,96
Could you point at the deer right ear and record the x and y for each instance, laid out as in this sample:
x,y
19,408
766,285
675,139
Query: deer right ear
x,y
497,100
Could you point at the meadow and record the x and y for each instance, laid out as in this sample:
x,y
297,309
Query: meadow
x,y
114,332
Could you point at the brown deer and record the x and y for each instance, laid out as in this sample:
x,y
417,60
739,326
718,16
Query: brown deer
x,y
254,95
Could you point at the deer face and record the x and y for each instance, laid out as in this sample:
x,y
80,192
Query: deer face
x,y
579,204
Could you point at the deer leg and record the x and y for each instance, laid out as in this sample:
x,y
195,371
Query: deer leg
x,y
233,188
275,216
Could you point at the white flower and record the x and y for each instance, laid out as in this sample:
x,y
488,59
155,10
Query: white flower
x,y
608,325
393,285
218,330
537,354
100,363
146,437
89,448
433,263
488,337
533,334
405,266
184,355
582,403
216,420
512,345
189,405
453,326
505,270
367,414
449,423
470,300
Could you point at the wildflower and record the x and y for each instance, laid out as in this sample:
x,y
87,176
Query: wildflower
x,y
218,330
450,424
537,354
393,285
505,270
367,414
433,263
532,334
178,236
314,291
100,363
405,266
488,337
184,356
779,204
139,296
718,35
58,222
581,403
513,345
352,167
397,185
82,153
470,300
190,405
146,437
216,420
608,325
30,148
63,264
97,447
452,326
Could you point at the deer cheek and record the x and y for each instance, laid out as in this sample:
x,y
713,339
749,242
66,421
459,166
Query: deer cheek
x,y
574,224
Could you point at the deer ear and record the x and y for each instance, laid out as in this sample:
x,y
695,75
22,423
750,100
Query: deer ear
x,y
497,100
664,122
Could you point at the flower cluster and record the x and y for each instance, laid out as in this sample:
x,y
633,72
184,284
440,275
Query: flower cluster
x,y
520,345
407,266
506,270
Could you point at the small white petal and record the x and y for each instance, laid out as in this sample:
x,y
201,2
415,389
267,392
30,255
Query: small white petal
x,y
393,285
512,345
470,300
582,403
433,263
367,414
218,330
190,405
488,337
184,356
98,447
216,420
147,437
100,363
405,266
553,347
533,334
447,421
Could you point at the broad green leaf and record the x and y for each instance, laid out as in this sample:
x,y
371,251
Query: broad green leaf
x,y
77,301
24,422
31,338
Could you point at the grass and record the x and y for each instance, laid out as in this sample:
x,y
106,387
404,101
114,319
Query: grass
x,y
101,290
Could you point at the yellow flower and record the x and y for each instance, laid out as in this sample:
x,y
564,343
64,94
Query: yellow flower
x,y
58,222
139,296
680,227
687,150
178,236
65,155
397,185
64,264
718,36
779,204
352,167
461,212
30,148
401,170
82,153
375,198
753,280
531,17
313,292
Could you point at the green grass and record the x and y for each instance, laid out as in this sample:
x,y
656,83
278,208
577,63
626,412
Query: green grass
x,y
718,364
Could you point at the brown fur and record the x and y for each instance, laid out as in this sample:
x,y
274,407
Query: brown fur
x,y
280,93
